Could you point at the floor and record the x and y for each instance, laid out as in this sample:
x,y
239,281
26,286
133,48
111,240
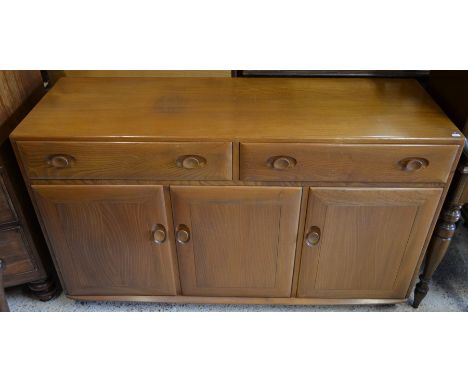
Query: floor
x,y
448,293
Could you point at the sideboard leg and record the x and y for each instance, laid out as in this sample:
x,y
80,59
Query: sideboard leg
x,y
465,215
45,289
3,302
444,231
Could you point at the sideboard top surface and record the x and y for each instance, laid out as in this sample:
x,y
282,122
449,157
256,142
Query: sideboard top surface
x,y
246,109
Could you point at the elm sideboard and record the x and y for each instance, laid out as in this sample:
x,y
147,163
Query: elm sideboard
x,y
238,190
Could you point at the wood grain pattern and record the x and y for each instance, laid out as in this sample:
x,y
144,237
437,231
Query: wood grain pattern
x,y
102,238
147,73
3,302
370,243
251,109
16,86
242,239
121,160
24,248
7,211
299,238
55,75
233,183
423,256
14,253
365,163
236,234
464,188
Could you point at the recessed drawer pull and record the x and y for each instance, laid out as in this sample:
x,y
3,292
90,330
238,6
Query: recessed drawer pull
x,y
413,164
182,234
159,234
281,162
60,160
190,161
313,236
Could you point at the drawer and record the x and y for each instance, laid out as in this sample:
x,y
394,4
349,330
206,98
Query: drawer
x,y
7,213
346,163
14,253
127,160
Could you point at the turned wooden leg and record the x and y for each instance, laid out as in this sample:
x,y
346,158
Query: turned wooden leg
x,y
443,233
3,301
45,289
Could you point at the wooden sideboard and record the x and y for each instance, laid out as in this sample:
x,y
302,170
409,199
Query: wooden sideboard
x,y
24,257
238,190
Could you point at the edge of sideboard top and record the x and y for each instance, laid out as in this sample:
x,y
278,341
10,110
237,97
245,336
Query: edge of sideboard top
x,y
341,110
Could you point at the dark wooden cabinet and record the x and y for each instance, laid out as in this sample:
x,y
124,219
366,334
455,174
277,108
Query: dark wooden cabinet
x,y
113,240
15,252
7,210
23,251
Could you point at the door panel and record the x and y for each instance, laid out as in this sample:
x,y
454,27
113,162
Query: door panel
x,y
242,239
103,238
369,242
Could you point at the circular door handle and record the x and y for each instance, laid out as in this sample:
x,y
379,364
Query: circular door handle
x,y
413,164
313,236
159,234
60,160
282,162
190,161
182,234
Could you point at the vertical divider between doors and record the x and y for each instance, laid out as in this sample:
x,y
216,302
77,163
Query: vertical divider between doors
x,y
299,239
235,160
171,237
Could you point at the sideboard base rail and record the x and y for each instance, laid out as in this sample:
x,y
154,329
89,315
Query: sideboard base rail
x,y
240,300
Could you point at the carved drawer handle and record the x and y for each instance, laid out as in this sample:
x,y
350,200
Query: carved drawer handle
x,y
60,160
182,234
159,234
413,164
313,236
281,162
190,161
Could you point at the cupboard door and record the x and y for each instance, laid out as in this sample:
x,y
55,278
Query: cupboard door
x,y
110,240
362,242
236,241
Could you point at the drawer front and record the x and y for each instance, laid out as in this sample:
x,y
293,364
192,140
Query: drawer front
x,y
14,253
127,160
346,163
7,213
